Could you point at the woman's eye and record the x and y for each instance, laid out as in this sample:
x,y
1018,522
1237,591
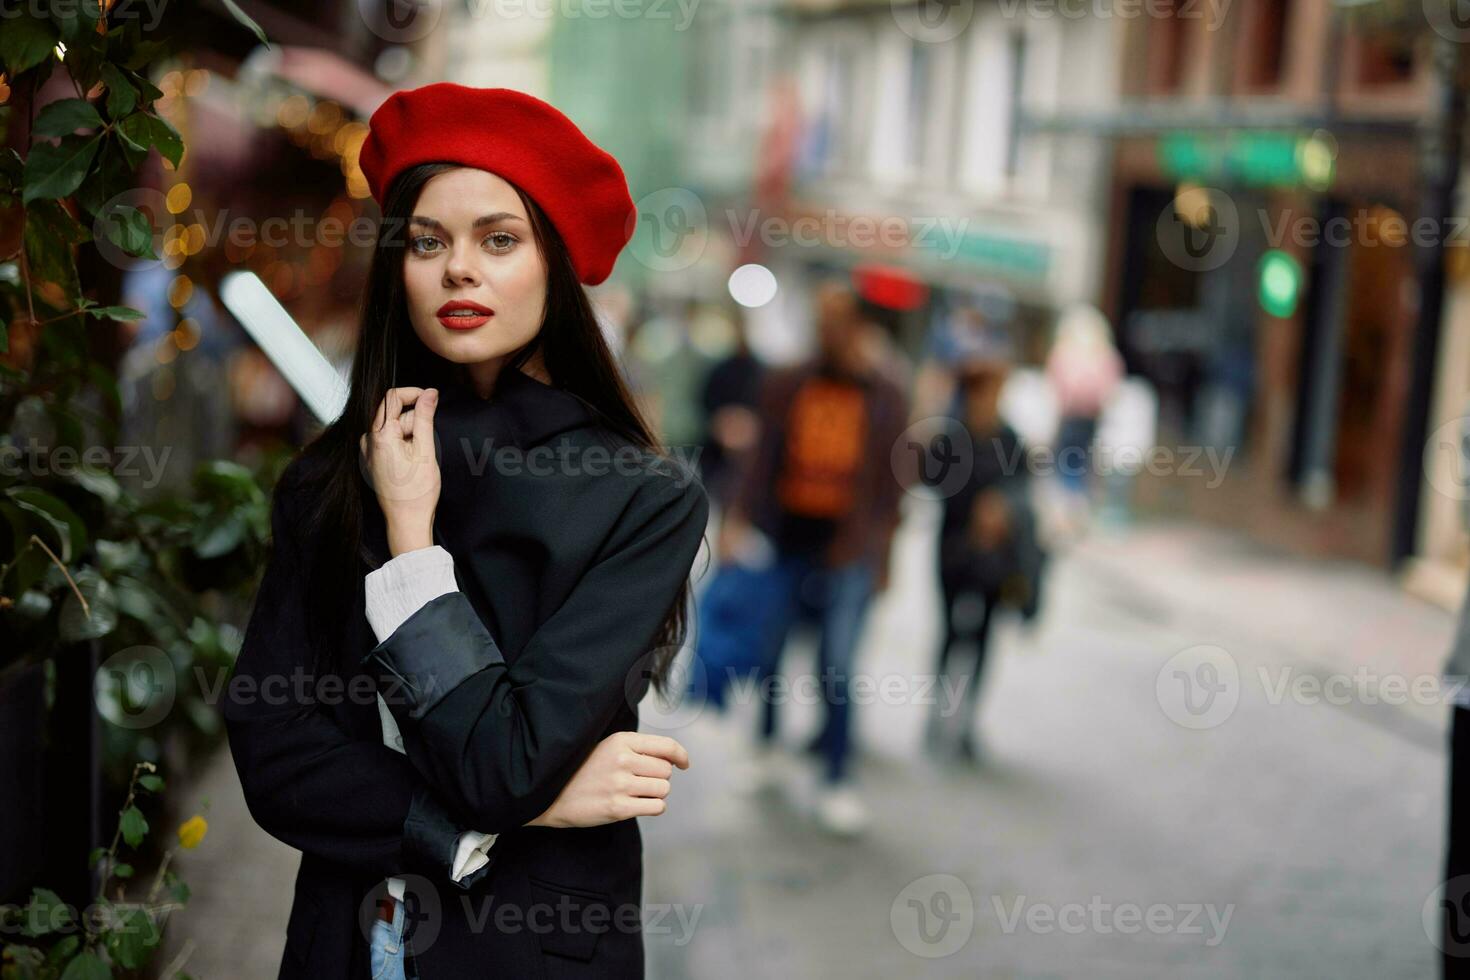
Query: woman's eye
x,y
422,244
500,241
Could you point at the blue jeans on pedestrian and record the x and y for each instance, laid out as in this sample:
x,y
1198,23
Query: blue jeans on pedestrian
x,y
1073,456
386,948
838,597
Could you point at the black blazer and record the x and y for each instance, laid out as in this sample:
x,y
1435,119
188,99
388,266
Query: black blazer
x,y
570,546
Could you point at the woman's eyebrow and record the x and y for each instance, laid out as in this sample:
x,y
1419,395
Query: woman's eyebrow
x,y
484,219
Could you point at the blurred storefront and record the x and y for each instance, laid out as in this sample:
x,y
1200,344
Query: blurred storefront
x,y
1260,268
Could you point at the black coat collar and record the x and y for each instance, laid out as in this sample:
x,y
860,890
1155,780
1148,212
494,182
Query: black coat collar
x,y
522,410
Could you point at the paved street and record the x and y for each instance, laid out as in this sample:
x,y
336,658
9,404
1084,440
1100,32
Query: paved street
x,y
1294,830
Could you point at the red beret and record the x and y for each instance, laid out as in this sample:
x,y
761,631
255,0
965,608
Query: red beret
x,y
521,138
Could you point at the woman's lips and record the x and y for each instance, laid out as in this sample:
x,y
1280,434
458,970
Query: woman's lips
x,y
463,322
464,315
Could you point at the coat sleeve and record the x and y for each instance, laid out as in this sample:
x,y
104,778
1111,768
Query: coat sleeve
x,y
306,781
499,741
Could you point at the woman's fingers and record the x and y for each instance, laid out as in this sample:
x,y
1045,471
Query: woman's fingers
x,y
390,409
395,405
652,765
661,746
646,807
423,422
646,786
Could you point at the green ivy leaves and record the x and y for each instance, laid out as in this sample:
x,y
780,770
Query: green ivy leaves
x,y
65,117
25,43
134,826
58,169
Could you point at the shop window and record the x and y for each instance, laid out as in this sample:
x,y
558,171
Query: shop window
x,y
1383,60
1014,110
1265,54
1168,40
921,84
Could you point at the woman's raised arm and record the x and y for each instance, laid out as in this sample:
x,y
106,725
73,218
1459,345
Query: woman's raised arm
x,y
307,782
498,742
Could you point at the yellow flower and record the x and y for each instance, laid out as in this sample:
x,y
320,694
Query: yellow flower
x,y
192,831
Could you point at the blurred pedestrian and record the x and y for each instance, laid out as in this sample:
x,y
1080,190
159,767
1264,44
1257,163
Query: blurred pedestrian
x,y
1084,368
821,490
988,551
731,425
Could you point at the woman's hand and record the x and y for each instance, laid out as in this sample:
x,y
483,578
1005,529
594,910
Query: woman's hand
x,y
402,466
627,775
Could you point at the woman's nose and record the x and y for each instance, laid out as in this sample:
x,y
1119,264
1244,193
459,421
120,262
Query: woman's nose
x,y
460,271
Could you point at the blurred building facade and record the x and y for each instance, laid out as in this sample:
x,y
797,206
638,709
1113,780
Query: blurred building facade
x,y
824,135
1230,182
1260,268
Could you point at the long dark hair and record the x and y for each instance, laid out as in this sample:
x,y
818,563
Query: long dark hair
x,y
574,353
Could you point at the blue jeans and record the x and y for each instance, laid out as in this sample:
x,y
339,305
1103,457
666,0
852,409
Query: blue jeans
x,y
1074,446
385,954
839,599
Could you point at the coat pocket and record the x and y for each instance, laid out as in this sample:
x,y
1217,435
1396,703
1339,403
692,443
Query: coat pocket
x,y
568,921
301,930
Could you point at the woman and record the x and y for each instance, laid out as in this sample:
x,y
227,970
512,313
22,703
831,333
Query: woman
x,y
504,662
1084,369
988,554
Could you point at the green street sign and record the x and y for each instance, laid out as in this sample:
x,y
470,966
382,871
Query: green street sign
x,y
1267,159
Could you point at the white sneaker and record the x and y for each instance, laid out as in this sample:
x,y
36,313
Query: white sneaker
x,y
764,768
841,811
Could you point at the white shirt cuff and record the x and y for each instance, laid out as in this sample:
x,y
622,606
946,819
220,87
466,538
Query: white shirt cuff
x,y
394,592
472,853
401,586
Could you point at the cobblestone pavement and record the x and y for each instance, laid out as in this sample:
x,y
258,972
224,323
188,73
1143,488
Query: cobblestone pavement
x,y
1206,761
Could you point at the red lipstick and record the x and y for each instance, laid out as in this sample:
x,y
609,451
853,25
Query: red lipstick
x,y
462,314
